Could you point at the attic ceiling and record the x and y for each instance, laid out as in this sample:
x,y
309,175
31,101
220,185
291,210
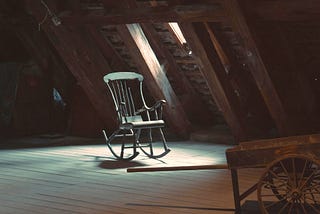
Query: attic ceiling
x,y
250,64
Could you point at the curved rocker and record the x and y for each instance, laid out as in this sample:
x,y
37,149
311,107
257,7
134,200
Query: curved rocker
x,y
120,150
149,148
132,121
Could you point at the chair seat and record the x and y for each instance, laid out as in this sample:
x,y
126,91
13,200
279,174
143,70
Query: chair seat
x,y
143,124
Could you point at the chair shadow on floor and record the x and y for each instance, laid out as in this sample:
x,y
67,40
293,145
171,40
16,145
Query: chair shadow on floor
x,y
119,164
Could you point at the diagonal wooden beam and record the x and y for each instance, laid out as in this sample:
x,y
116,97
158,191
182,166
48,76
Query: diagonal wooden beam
x,y
172,68
84,61
258,69
113,58
40,49
218,47
217,82
186,92
156,80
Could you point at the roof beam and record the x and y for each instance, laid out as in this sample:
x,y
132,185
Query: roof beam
x,y
171,66
216,80
113,58
156,80
190,100
257,68
39,48
178,13
242,80
83,59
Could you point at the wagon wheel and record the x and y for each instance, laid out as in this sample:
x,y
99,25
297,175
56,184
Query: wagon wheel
x,y
276,169
290,185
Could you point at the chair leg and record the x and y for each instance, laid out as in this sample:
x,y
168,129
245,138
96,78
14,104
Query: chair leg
x,y
136,139
150,140
120,153
164,141
152,154
122,146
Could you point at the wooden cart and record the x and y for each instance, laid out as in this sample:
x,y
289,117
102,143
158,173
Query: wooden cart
x,y
290,182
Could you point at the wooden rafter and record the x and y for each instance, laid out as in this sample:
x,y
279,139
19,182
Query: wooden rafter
x,y
238,74
223,97
222,55
178,13
189,98
157,82
82,59
257,68
301,109
172,68
40,50
113,58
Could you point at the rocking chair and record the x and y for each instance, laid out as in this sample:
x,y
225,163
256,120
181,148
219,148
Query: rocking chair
x,y
132,121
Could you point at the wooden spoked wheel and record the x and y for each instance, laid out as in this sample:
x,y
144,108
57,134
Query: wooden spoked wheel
x,y
290,185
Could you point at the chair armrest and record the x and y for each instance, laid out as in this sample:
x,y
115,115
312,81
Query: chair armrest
x,y
158,104
143,109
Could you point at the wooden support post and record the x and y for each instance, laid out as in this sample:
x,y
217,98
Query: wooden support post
x,y
156,80
220,91
258,69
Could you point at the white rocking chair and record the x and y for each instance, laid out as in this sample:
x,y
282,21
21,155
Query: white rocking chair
x,y
133,121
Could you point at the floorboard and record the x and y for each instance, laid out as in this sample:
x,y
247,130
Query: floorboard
x,y
86,179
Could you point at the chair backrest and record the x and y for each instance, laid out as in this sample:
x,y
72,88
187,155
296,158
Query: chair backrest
x,y
120,86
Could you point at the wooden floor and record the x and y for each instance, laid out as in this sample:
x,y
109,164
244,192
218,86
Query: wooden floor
x,y
85,179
